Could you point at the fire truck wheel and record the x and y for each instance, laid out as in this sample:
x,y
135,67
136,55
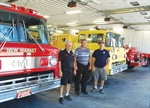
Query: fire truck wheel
x,y
148,62
130,67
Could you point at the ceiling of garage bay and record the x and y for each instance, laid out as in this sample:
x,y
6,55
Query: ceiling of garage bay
x,y
120,12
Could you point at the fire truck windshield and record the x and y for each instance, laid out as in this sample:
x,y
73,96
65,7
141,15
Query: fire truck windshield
x,y
14,27
94,38
113,40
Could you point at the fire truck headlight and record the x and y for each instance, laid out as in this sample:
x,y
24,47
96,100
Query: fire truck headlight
x,y
53,61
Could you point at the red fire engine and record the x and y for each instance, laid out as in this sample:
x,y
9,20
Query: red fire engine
x,y
28,64
135,58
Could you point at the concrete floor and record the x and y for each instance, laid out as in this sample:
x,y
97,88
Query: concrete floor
x,y
129,89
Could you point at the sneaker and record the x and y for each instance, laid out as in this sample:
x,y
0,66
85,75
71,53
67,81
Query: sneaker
x,y
68,98
85,92
61,100
94,90
101,91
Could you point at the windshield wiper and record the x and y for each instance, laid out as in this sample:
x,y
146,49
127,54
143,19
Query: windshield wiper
x,y
26,30
13,28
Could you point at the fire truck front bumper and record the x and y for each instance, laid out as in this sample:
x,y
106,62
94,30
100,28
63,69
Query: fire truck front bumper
x,y
25,89
118,67
138,63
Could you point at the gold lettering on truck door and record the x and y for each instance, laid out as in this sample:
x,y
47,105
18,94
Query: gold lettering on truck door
x,y
28,50
12,50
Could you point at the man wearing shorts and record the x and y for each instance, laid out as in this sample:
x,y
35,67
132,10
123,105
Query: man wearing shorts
x,y
100,61
66,70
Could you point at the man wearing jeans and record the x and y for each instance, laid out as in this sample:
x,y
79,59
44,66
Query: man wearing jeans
x,y
82,57
100,61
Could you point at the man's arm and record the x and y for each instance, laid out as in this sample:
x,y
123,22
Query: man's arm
x,y
90,62
107,63
75,63
75,59
60,71
93,61
75,66
59,64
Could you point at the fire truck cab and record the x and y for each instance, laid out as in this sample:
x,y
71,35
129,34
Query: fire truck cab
x,y
28,64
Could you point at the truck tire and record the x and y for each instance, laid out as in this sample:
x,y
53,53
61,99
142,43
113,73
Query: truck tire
x,y
148,62
129,67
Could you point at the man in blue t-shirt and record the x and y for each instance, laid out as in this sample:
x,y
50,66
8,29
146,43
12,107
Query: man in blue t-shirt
x,y
100,61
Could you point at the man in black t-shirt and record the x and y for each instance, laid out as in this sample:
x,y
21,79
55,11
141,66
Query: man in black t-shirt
x,y
100,61
66,70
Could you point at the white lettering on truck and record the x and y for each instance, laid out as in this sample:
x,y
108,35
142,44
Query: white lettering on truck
x,y
21,63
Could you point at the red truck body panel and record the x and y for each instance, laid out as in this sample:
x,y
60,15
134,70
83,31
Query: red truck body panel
x,y
135,57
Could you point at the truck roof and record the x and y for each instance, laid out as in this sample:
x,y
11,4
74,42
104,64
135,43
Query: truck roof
x,y
20,10
93,31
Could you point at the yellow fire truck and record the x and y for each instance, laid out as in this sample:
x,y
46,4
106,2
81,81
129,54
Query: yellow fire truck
x,y
113,43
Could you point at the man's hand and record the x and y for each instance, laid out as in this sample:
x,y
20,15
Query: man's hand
x,y
74,72
90,68
76,67
60,74
105,67
93,69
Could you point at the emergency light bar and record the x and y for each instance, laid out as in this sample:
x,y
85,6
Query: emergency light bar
x,y
21,8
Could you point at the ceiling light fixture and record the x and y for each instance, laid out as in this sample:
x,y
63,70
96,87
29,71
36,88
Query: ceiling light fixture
x,y
143,13
73,12
49,25
147,17
74,30
72,4
59,31
91,29
71,24
107,19
98,21
134,3
125,27
46,16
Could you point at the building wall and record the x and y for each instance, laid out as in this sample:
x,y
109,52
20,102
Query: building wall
x,y
139,39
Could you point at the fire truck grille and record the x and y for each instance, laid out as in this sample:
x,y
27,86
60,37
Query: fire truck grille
x,y
19,82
